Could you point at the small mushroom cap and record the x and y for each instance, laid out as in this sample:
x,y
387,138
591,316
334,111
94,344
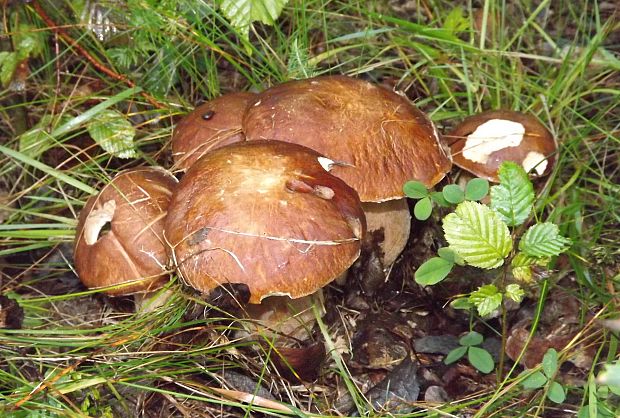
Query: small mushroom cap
x,y
378,139
209,126
133,205
482,142
266,214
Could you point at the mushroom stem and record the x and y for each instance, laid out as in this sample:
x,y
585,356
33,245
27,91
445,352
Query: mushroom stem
x,y
394,218
281,316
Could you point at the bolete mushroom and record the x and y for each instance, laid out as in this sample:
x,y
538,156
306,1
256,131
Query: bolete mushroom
x,y
119,241
483,141
211,125
374,139
265,214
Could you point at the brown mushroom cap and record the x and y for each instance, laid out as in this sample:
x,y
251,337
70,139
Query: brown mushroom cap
x,y
384,137
134,205
263,213
209,126
483,141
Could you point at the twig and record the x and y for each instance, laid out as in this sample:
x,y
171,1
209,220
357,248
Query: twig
x,y
62,33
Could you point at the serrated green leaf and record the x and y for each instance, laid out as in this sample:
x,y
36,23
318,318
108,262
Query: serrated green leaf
x,y
513,198
523,273
534,381
453,193
476,189
514,292
415,189
486,299
113,133
543,240
550,362
478,235
8,63
455,355
471,338
522,266
241,13
423,209
481,359
433,271
438,198
556,393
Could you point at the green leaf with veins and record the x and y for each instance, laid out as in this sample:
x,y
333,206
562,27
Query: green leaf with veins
x,y
241,13
114,133
486,299
514,292
543,240
513,198
478,235
522,266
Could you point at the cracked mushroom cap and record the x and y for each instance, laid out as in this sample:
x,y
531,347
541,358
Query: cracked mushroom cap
x,y
209,126
482,142
378,138
119,237
266,214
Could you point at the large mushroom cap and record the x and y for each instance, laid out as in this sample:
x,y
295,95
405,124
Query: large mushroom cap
x,y
119,238
263,213
384,137
209,126
482,142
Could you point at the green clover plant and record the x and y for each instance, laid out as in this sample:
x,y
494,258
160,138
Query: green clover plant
x,y
536,380
478,357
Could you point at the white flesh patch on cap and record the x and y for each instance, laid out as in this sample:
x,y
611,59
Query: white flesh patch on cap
x,y
491,136
324,192
535,160
326,163
96,220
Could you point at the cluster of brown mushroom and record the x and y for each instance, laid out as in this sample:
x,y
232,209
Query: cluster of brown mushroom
x,y
280,188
